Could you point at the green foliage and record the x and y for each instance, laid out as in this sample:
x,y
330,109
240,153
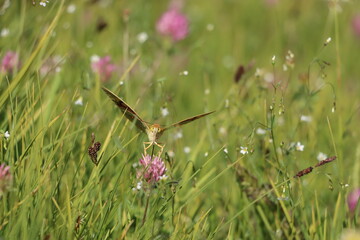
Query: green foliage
x,y
213,191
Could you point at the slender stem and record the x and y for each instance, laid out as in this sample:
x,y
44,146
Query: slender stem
x,y
148,196
145,211
273,140
152,151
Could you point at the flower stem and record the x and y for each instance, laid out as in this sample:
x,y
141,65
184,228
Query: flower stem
x,y
145,211
148,196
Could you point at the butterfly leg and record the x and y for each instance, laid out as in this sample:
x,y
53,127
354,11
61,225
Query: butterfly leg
x,y
161,146
147,145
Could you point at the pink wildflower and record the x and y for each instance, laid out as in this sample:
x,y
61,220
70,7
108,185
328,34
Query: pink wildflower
x,y
5,178
174,24
353,199
154,168
356,25
9,62
103,67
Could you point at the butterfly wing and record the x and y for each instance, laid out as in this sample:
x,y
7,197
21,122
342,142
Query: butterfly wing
x,y
127,110
187,120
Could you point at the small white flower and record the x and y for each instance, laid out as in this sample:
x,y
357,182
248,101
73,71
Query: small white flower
x,y
273,59
178,135
321,156
164,111
7,134
4,32
280,121
187,150
79,101
43,3
210,27
299,147
259,72
185,73
290,55
283,198
260,131
226,150
94,58
226,103
206,154
135,165
269,77
164,177
328,40
333,109
222,131
304,118
171,153
244,150
71,8
285,68
121,83
139,185
142,37
207,91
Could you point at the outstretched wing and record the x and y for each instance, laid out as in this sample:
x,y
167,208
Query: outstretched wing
x,y
188,120
127,110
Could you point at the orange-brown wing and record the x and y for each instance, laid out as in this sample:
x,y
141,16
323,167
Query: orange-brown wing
x,y
127,110
188,120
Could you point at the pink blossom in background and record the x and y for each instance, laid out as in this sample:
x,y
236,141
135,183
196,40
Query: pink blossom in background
x,y
5,178
153,168
356,25
9,62
173,24
103,67
353,199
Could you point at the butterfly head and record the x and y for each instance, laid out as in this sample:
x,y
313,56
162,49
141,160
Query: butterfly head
x,y
154,131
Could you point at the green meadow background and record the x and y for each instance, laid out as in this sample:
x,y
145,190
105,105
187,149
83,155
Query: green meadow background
x,y
212,190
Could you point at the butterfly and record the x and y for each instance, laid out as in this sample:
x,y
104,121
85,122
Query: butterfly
x,y
153,131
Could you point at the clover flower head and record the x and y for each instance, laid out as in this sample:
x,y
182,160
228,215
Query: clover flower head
x,y
103,67
174,24
353,198
5,178
9,62
356,25
153,168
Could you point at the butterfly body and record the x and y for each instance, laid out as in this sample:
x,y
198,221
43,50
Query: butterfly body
x,y
153,131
